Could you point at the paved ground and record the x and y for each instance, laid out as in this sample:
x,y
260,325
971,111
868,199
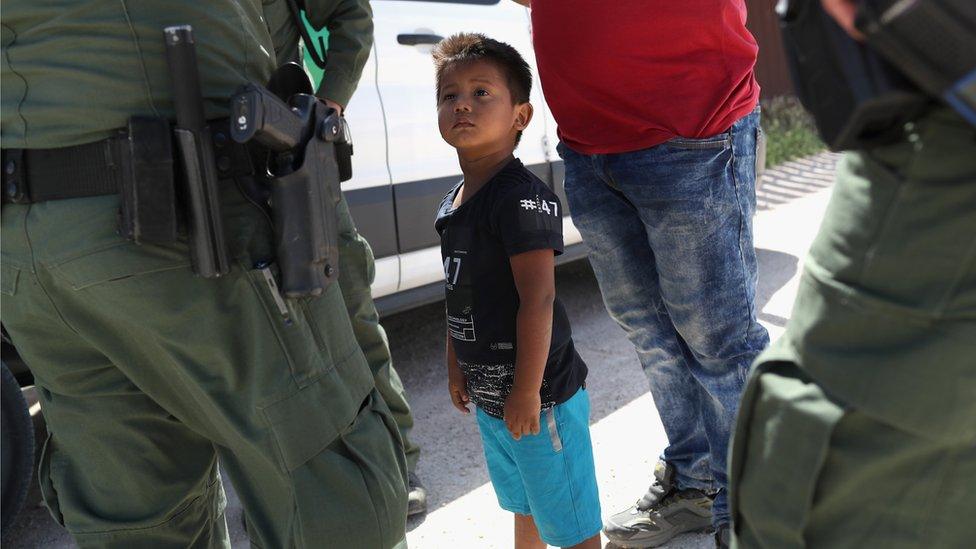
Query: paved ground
x,y
463,511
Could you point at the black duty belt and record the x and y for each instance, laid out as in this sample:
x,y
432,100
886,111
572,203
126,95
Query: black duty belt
x,y
95,169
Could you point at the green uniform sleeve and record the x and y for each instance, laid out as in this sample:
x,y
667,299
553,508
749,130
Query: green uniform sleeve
x,y
350,25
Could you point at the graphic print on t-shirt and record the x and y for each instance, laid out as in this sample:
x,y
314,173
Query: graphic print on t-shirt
x,y
462,327
539,205
457,280
489,385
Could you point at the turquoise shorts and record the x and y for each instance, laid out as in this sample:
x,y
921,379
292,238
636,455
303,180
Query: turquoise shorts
x,y
551,475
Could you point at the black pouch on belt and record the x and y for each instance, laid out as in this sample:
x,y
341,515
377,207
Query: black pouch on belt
x,y
148,195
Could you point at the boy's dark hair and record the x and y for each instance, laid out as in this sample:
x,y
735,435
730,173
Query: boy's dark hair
x,y
467,46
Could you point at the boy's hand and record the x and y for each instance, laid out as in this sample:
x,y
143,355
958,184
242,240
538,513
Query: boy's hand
x,y
456,385
522,410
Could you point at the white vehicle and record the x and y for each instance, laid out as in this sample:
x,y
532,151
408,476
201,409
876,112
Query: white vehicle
x,y
401,166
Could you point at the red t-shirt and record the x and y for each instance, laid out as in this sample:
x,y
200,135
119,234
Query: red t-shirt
x,y
624,75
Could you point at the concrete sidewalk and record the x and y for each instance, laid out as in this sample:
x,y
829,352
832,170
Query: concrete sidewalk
x,y
463,510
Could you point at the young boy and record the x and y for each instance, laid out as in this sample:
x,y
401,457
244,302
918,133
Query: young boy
x,y
509,346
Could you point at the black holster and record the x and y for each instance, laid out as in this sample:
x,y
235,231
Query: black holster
x,y
300,135
303,204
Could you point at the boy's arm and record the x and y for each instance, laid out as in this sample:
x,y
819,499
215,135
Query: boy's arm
x,y
455,379
534,274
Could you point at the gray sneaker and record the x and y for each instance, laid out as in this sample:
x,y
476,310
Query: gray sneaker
x,y
663,513
416,497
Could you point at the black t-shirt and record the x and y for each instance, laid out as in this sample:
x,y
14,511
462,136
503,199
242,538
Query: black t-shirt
x,y
513,213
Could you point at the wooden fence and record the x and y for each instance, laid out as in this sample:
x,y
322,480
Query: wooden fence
x,y
771,69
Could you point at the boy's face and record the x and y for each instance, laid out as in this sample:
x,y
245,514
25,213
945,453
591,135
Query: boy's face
x,y
475,111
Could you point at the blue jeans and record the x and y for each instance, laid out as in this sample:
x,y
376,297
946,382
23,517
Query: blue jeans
x,y
669,233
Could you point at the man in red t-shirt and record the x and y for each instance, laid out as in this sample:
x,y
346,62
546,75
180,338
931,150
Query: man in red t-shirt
x,y
656,106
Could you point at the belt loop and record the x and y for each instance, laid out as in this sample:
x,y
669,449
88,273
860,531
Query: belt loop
x,y
15,187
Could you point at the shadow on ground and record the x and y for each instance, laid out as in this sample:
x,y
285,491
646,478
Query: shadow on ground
x,y
795,179
775,270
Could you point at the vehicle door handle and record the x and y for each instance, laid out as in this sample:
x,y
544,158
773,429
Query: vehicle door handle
x,y
418,39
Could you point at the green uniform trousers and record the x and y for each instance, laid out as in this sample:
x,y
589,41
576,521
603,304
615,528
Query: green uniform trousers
x,y
149,375
349,42
857,427
356,275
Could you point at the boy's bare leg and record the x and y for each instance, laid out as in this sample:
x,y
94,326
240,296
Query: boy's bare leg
x,y
526,534
592,543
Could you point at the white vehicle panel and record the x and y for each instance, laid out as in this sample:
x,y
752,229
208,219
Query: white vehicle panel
x,y
365,116
387,276
406,80
571,234
421,268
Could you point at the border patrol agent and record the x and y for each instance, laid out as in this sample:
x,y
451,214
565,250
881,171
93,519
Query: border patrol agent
x,y
148,374
350,39
857,426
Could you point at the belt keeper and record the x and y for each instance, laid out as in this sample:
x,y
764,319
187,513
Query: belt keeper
x,y
15,188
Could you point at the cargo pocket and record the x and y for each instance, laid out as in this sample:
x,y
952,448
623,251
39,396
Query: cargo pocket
x,y
781,442
330,326
306,421
9,276
46,482
292,327
353,493
374,443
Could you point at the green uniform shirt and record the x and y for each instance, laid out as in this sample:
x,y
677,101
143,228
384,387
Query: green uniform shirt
x,y
74,71
350,26
885,316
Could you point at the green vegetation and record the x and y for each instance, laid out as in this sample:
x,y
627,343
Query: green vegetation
x,y
790,132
